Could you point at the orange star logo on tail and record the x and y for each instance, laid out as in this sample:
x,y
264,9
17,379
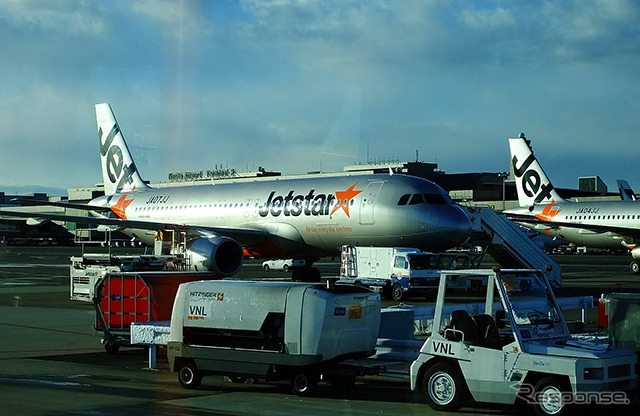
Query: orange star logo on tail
x,y
548,213
344,199
120,207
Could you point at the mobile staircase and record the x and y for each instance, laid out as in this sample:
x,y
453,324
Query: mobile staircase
x,y
506,243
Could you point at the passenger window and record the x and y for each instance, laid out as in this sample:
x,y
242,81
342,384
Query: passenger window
x,y
416,199
404,199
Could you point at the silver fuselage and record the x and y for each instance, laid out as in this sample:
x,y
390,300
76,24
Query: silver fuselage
x,y
306,216
576,217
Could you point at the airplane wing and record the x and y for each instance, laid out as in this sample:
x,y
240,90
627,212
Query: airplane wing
x,y
632,234
244,236
31,202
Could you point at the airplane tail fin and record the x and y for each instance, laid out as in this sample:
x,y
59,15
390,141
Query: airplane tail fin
x,y
626,192
119,172
532,184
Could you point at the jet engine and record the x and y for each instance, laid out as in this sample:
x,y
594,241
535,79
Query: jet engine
x,y
220,255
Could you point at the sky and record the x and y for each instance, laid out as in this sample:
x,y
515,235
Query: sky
x,y
302,85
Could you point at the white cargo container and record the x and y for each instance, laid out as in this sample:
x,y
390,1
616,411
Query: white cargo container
x,y
271,330
396,271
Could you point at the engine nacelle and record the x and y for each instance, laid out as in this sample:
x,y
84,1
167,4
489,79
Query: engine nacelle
x,y
220,255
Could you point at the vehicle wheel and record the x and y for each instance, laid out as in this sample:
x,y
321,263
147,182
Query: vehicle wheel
x,y
189,376
343,384
634,267
548,398
397,294
266,267
285,268
111,347
303,384
444,388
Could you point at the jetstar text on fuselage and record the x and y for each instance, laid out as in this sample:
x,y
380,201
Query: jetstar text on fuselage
x,y
295,205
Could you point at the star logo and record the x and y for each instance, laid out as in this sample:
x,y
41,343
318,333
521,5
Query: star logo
x,y
548,213
344,199
120,207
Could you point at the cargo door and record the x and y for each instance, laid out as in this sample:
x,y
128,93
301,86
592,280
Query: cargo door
x,y
368,202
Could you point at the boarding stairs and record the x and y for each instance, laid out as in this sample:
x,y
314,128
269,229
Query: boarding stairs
x,y
506,243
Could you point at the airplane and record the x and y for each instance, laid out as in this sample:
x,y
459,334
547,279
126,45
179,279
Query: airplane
x,y
305,218
599,224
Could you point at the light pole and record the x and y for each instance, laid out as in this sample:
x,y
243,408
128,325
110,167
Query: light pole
x,y
504,176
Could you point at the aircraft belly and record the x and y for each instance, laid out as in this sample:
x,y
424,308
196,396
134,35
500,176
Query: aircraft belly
x,y
591,239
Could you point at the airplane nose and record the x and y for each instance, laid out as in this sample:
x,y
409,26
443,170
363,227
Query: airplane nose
x,y
454,228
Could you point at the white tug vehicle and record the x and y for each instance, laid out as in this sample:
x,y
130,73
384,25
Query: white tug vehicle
x,y
517,350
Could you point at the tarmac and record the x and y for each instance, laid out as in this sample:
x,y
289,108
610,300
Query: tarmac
x,y
52,361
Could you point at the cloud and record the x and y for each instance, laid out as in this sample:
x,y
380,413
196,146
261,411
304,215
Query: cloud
x,y
297,85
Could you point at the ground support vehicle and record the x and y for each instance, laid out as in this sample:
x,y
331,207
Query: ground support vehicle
x,y
86,270
267,330
122,298
394,271
285,265
524,353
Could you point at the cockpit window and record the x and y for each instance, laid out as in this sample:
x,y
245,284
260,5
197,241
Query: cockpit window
x,y
435,199
404,199
416,199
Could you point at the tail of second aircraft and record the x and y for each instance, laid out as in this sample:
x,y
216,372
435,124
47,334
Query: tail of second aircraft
x,y
119,172
532,184
626,192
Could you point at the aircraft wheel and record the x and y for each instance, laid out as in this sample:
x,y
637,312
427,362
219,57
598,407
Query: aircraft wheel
x,y
444,388
396,292
189,376
634,267
314,275
303,384
549,400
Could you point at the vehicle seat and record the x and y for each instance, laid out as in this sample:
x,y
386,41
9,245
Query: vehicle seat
x,y
463,322
487,331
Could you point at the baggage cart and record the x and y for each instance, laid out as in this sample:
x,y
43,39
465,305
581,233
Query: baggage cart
x,y
123,298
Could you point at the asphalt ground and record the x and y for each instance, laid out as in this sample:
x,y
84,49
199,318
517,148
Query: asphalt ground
x,y
52,362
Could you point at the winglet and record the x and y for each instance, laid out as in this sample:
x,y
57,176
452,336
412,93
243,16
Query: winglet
x,y
119,172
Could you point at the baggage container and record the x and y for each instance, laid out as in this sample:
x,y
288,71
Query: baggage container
x,y
123,298
272,331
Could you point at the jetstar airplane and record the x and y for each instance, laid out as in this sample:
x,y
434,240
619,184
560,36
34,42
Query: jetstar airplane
x,y
305,217
601,224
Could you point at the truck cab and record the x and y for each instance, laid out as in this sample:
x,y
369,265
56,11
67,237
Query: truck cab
x,y
517,348
394,271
